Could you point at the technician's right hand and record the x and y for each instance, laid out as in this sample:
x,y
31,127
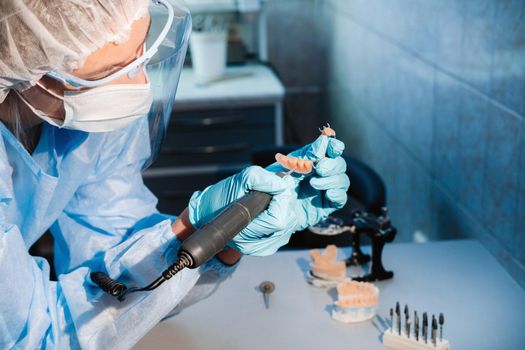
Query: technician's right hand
x,y
266,233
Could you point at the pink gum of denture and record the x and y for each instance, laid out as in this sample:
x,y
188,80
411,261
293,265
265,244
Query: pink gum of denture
x,y
300,166
327,131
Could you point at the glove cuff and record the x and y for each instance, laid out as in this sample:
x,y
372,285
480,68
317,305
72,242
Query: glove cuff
x,y
193,209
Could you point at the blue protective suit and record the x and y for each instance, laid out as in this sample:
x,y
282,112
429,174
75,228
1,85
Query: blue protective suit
x,y
88,190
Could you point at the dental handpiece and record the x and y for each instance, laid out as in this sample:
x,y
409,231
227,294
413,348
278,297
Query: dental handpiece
x,y
201,246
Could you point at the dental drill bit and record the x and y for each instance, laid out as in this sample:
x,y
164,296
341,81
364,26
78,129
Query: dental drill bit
x,y
416,325
398,312
392,320
434,329
425,327
406,317
441,321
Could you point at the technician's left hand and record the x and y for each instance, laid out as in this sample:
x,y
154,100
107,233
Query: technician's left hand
x,y
324,190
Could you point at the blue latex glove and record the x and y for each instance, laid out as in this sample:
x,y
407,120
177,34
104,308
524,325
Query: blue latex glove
x,y
323,191
268,231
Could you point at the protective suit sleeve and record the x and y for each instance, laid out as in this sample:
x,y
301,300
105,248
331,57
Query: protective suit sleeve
x,y
112,225
29,299
72,313
112,204
37,313
100,320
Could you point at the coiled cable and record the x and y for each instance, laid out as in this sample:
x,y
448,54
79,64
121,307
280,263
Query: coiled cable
x,y
120,290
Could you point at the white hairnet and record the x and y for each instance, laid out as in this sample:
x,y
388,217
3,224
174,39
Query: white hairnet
x,y
38,36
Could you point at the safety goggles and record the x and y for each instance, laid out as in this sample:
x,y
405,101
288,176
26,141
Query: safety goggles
x,y
156,48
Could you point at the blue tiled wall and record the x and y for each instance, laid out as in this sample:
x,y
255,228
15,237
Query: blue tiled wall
x,y
432,95
292,44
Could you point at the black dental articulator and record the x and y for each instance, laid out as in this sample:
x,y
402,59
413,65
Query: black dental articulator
x,y
201,246
380,230
377,227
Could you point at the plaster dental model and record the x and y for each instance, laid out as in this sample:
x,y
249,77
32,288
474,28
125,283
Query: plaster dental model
x,y
329,255
356,301
326,271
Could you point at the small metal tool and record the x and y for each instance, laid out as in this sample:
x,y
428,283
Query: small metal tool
x,y
416,325
434,329
425,327
441,321
266,288
398,312
392,320
406,316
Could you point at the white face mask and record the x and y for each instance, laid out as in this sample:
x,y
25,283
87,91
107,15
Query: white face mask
x,y
104,108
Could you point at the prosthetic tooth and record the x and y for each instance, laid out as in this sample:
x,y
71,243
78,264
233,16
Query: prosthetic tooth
x,y
301,166
280,158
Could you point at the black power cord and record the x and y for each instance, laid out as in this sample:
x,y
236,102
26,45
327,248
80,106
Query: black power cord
x,y
120,290
201,246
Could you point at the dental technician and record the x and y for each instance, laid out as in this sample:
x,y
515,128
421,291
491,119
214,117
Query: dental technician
x,y
86,91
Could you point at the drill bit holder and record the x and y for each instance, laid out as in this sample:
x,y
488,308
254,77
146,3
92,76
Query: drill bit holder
x,y
394,340
401,335
380,231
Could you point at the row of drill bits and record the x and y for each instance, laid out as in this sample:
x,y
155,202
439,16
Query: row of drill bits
x,y
424,327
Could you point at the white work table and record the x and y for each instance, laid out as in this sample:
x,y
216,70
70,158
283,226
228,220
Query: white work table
x,y
484,308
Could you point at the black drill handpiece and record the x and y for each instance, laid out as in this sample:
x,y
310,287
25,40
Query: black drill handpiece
x,y
211,238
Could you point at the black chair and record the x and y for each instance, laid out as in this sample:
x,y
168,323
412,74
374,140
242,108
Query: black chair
x,y
367,191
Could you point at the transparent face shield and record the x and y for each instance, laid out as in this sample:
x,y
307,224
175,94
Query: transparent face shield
x,y
165,49
164,71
